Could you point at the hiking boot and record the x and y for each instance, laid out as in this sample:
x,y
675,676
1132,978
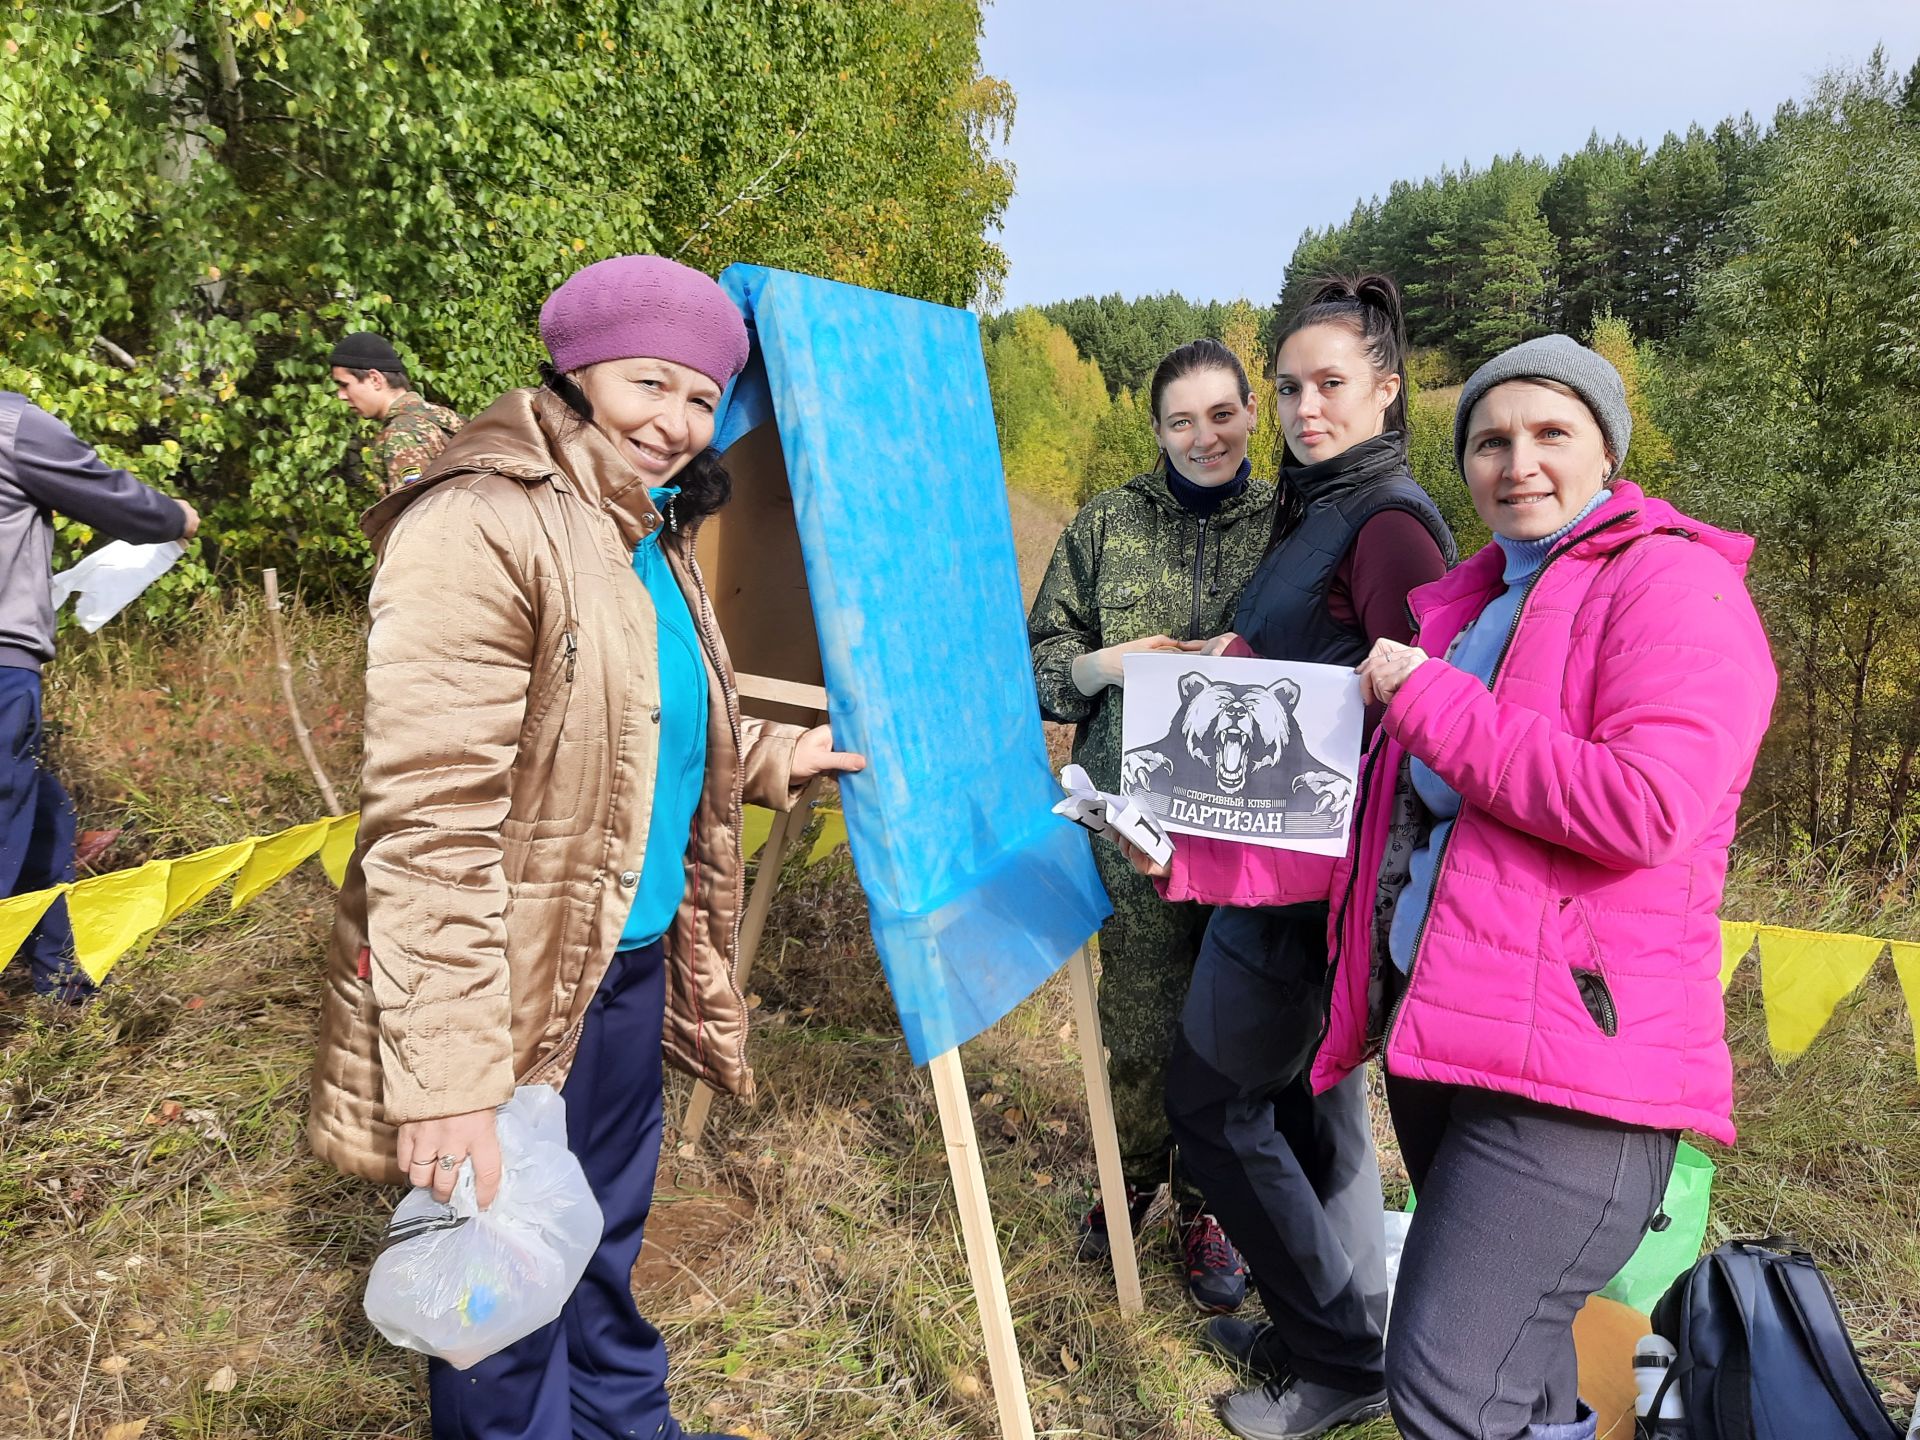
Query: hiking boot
x,y
1094,1244
1253,1348
1296,1410
1216,1275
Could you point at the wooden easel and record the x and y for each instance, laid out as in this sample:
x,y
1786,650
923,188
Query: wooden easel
x,y
758,584
976,1217
787,827
1106,1135
961,1139
780,841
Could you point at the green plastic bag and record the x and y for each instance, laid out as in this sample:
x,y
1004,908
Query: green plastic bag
x,y
1665,1255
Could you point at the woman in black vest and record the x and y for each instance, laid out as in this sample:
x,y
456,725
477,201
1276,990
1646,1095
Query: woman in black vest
x,y
1294,1178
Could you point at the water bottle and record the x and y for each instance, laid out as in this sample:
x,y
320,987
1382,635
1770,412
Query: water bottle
x,y
1653,1359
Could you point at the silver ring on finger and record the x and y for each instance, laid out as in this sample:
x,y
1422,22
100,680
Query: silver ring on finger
x,y
449,1162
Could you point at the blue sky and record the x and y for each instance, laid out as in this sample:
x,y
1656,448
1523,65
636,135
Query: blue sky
x,y
1184,145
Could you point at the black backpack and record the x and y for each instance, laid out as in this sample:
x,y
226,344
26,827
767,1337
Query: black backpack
x,y
1763,1354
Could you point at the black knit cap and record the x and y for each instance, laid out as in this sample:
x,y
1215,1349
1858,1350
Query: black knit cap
x,y
364,350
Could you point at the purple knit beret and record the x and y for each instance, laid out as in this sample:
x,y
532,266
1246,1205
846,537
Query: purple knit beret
x,y
644,305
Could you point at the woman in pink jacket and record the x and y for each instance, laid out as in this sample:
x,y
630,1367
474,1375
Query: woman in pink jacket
x,y
1526,928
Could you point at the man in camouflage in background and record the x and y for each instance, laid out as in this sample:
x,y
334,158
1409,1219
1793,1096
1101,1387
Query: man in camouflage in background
x,y
370,377
1135,570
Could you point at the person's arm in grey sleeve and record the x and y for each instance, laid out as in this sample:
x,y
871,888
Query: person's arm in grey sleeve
x,y
55,469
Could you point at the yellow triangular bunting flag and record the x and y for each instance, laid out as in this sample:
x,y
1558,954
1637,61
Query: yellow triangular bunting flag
x,y
1735,942
833,834
1906,964
338,849
193,877
274,858
18,916
756,825
1804,975
113,913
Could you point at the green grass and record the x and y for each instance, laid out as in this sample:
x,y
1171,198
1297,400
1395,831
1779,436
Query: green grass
x,y
141,1258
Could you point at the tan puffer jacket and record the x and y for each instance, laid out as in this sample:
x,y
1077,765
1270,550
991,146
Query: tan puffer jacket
x,y
512,731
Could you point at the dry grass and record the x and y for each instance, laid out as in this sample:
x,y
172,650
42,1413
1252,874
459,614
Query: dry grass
x,y
163,1225
1037,524
1829,1146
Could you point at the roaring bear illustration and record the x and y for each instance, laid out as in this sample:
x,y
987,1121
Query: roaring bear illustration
x,y
1222,740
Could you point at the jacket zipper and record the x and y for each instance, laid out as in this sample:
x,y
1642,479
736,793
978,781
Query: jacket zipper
x,y
569,1043
561,1056
1353,872
1612,1025
705,620
1440,860
1609,1017
1199,575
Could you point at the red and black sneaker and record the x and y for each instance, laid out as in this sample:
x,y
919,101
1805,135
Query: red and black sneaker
x,y
1216,1275
1094,1244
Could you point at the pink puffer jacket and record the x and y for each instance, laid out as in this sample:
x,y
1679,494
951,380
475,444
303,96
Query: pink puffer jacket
x,y
1600,780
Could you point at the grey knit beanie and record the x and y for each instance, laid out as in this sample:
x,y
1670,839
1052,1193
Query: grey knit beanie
x,y
1553,357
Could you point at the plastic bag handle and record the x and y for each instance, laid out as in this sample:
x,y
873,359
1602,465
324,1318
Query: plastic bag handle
x,y
414,1229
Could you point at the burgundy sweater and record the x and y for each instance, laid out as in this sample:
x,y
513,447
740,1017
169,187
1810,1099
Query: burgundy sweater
x,y
1392,554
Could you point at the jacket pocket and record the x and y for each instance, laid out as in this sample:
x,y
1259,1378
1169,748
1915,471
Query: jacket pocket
x,y
1580,949
1598,999
1122,616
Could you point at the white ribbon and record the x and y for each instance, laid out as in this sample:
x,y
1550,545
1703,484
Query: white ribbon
x,y
1105,814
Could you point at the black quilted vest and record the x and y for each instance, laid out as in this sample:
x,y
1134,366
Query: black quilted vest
x,y
1283,611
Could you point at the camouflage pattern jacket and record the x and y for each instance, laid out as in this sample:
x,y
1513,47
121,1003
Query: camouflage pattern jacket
x,y
415,432
1134,564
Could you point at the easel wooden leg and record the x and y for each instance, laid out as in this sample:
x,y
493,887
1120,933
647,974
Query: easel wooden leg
x,y
1106,1136
787,828
983,1247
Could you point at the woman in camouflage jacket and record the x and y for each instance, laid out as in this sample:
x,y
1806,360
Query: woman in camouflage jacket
x,y
1154,565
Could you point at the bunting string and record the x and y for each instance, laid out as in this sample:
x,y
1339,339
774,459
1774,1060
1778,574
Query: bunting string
x,y
1804,974
119,912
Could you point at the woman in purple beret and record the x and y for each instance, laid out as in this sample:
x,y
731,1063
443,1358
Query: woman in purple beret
x,y
548,880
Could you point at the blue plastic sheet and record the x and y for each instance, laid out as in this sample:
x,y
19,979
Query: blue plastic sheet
x,y
977,891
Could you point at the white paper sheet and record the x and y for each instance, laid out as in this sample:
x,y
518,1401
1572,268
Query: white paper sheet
x,y
1259,751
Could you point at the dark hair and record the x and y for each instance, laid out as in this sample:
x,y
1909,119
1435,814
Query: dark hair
x,y
1201,354
1368,305
704,485
396,379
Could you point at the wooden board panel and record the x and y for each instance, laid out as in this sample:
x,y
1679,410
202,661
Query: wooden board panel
x,y
750,556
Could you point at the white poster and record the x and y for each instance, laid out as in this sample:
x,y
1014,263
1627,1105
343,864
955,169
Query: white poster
x,y
1264,751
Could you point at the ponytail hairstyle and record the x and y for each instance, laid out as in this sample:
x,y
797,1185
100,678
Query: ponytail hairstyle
x,y
1368,305
1195,355
704,483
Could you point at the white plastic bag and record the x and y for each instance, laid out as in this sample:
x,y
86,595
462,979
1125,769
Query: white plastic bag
x,y
111,578
463,1283
1397,1223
